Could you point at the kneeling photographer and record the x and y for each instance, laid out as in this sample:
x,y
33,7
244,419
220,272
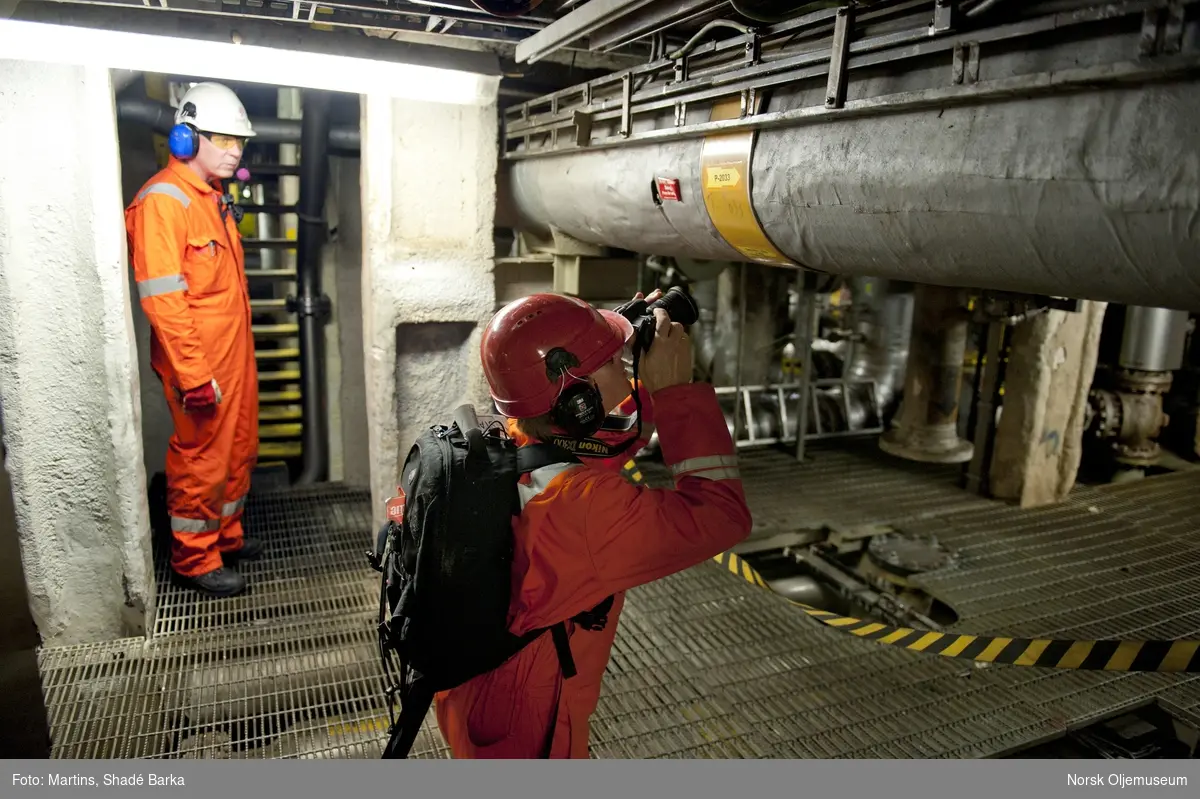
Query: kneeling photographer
x,y
585,535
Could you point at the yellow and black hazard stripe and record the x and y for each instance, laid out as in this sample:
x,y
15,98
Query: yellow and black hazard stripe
x,y
1102,655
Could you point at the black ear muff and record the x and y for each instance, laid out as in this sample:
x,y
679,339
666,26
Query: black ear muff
x,y
579,410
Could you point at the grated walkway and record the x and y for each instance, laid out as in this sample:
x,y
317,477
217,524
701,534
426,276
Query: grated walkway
x,y
705,665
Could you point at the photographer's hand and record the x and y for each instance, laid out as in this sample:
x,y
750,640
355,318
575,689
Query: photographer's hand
x,y
669,361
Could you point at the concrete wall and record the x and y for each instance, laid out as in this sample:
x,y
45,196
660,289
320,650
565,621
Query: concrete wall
x,y
429,183
69,380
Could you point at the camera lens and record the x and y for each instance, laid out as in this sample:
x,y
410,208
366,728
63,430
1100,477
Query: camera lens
x,y
678,305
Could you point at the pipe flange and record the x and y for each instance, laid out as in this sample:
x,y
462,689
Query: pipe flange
x,y
1140,454
1105,407
1136,381
929,443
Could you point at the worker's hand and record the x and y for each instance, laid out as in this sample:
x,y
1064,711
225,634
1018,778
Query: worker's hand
x,y
669,361
202,399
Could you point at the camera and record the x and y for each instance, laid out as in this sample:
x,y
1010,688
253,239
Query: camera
x,y
678,304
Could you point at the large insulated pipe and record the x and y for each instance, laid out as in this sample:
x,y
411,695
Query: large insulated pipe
x,y
995,195
311,305
926,424
161,118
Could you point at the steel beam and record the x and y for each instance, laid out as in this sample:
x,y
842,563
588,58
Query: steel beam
x,y
574,26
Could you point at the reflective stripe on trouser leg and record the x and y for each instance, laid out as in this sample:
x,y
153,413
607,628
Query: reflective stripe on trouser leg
x,y
243,403
198,459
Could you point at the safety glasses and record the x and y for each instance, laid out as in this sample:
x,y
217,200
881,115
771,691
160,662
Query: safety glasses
x,y
224,142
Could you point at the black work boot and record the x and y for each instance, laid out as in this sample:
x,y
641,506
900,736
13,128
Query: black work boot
x,y
221,582
252,549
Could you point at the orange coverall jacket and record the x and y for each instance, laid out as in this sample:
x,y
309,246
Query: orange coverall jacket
x,y
584,534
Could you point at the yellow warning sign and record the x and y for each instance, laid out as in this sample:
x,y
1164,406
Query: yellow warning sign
x,y
722,177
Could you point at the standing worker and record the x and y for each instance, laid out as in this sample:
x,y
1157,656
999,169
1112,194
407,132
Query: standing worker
x,y
584,532
190,271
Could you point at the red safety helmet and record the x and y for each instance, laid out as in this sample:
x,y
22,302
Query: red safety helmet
x,y
528,340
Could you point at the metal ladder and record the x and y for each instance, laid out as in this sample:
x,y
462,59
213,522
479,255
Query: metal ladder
x,y
275,329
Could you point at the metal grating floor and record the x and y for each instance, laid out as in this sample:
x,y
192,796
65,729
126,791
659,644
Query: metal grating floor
x,y
704,665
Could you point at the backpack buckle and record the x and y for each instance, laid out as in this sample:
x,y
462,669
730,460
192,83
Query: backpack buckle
x,y
376,560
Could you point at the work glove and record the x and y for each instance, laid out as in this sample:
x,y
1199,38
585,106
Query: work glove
x,y
202,398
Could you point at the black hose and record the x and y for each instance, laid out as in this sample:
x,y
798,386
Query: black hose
x,y
314,175
160,117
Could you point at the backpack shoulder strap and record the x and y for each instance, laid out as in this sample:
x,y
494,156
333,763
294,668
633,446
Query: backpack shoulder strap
x,y
413,709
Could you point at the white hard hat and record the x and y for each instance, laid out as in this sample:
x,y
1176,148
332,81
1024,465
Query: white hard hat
x,y
213,108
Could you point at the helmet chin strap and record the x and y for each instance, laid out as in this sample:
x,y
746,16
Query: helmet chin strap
x,y
594,447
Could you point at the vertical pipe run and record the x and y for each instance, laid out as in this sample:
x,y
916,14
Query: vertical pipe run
x,y
310,306
926,426
1153,339
741,354
806,325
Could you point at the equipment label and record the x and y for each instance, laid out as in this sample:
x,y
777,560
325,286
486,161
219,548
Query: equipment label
x,y
722,177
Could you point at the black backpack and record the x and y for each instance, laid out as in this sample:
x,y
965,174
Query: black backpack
x,y
446,585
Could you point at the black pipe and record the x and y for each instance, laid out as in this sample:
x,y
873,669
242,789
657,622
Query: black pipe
x,y
312,306
161,117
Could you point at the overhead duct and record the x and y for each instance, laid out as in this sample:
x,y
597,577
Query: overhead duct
x,y
1062,166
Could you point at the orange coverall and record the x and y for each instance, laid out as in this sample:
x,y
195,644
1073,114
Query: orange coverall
x,y
589,533
190,271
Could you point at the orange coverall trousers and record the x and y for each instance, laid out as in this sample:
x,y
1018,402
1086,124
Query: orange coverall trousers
x,y
189,267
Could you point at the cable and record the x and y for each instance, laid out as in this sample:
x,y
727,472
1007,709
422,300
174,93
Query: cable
x,y
692,42
983,7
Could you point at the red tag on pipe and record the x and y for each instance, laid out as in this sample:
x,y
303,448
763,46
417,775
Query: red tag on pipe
x,y
668,188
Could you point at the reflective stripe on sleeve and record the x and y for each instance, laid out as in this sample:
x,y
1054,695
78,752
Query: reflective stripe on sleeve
x,y
169,189
156,286
713,467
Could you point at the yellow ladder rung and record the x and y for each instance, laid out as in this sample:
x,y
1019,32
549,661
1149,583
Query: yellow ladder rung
x,y
268,305
279,413
286,329
290,430
284,354
279,396
289,375
280,449
271,274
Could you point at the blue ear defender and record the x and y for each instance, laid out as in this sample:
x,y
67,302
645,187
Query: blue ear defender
x,y
184,140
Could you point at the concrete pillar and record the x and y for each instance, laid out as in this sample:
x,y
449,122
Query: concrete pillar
x,y
68,370
1050,370
429,197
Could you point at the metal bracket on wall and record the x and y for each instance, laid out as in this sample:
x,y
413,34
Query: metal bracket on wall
x,y
944,13
835,92
966,63
1162,30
